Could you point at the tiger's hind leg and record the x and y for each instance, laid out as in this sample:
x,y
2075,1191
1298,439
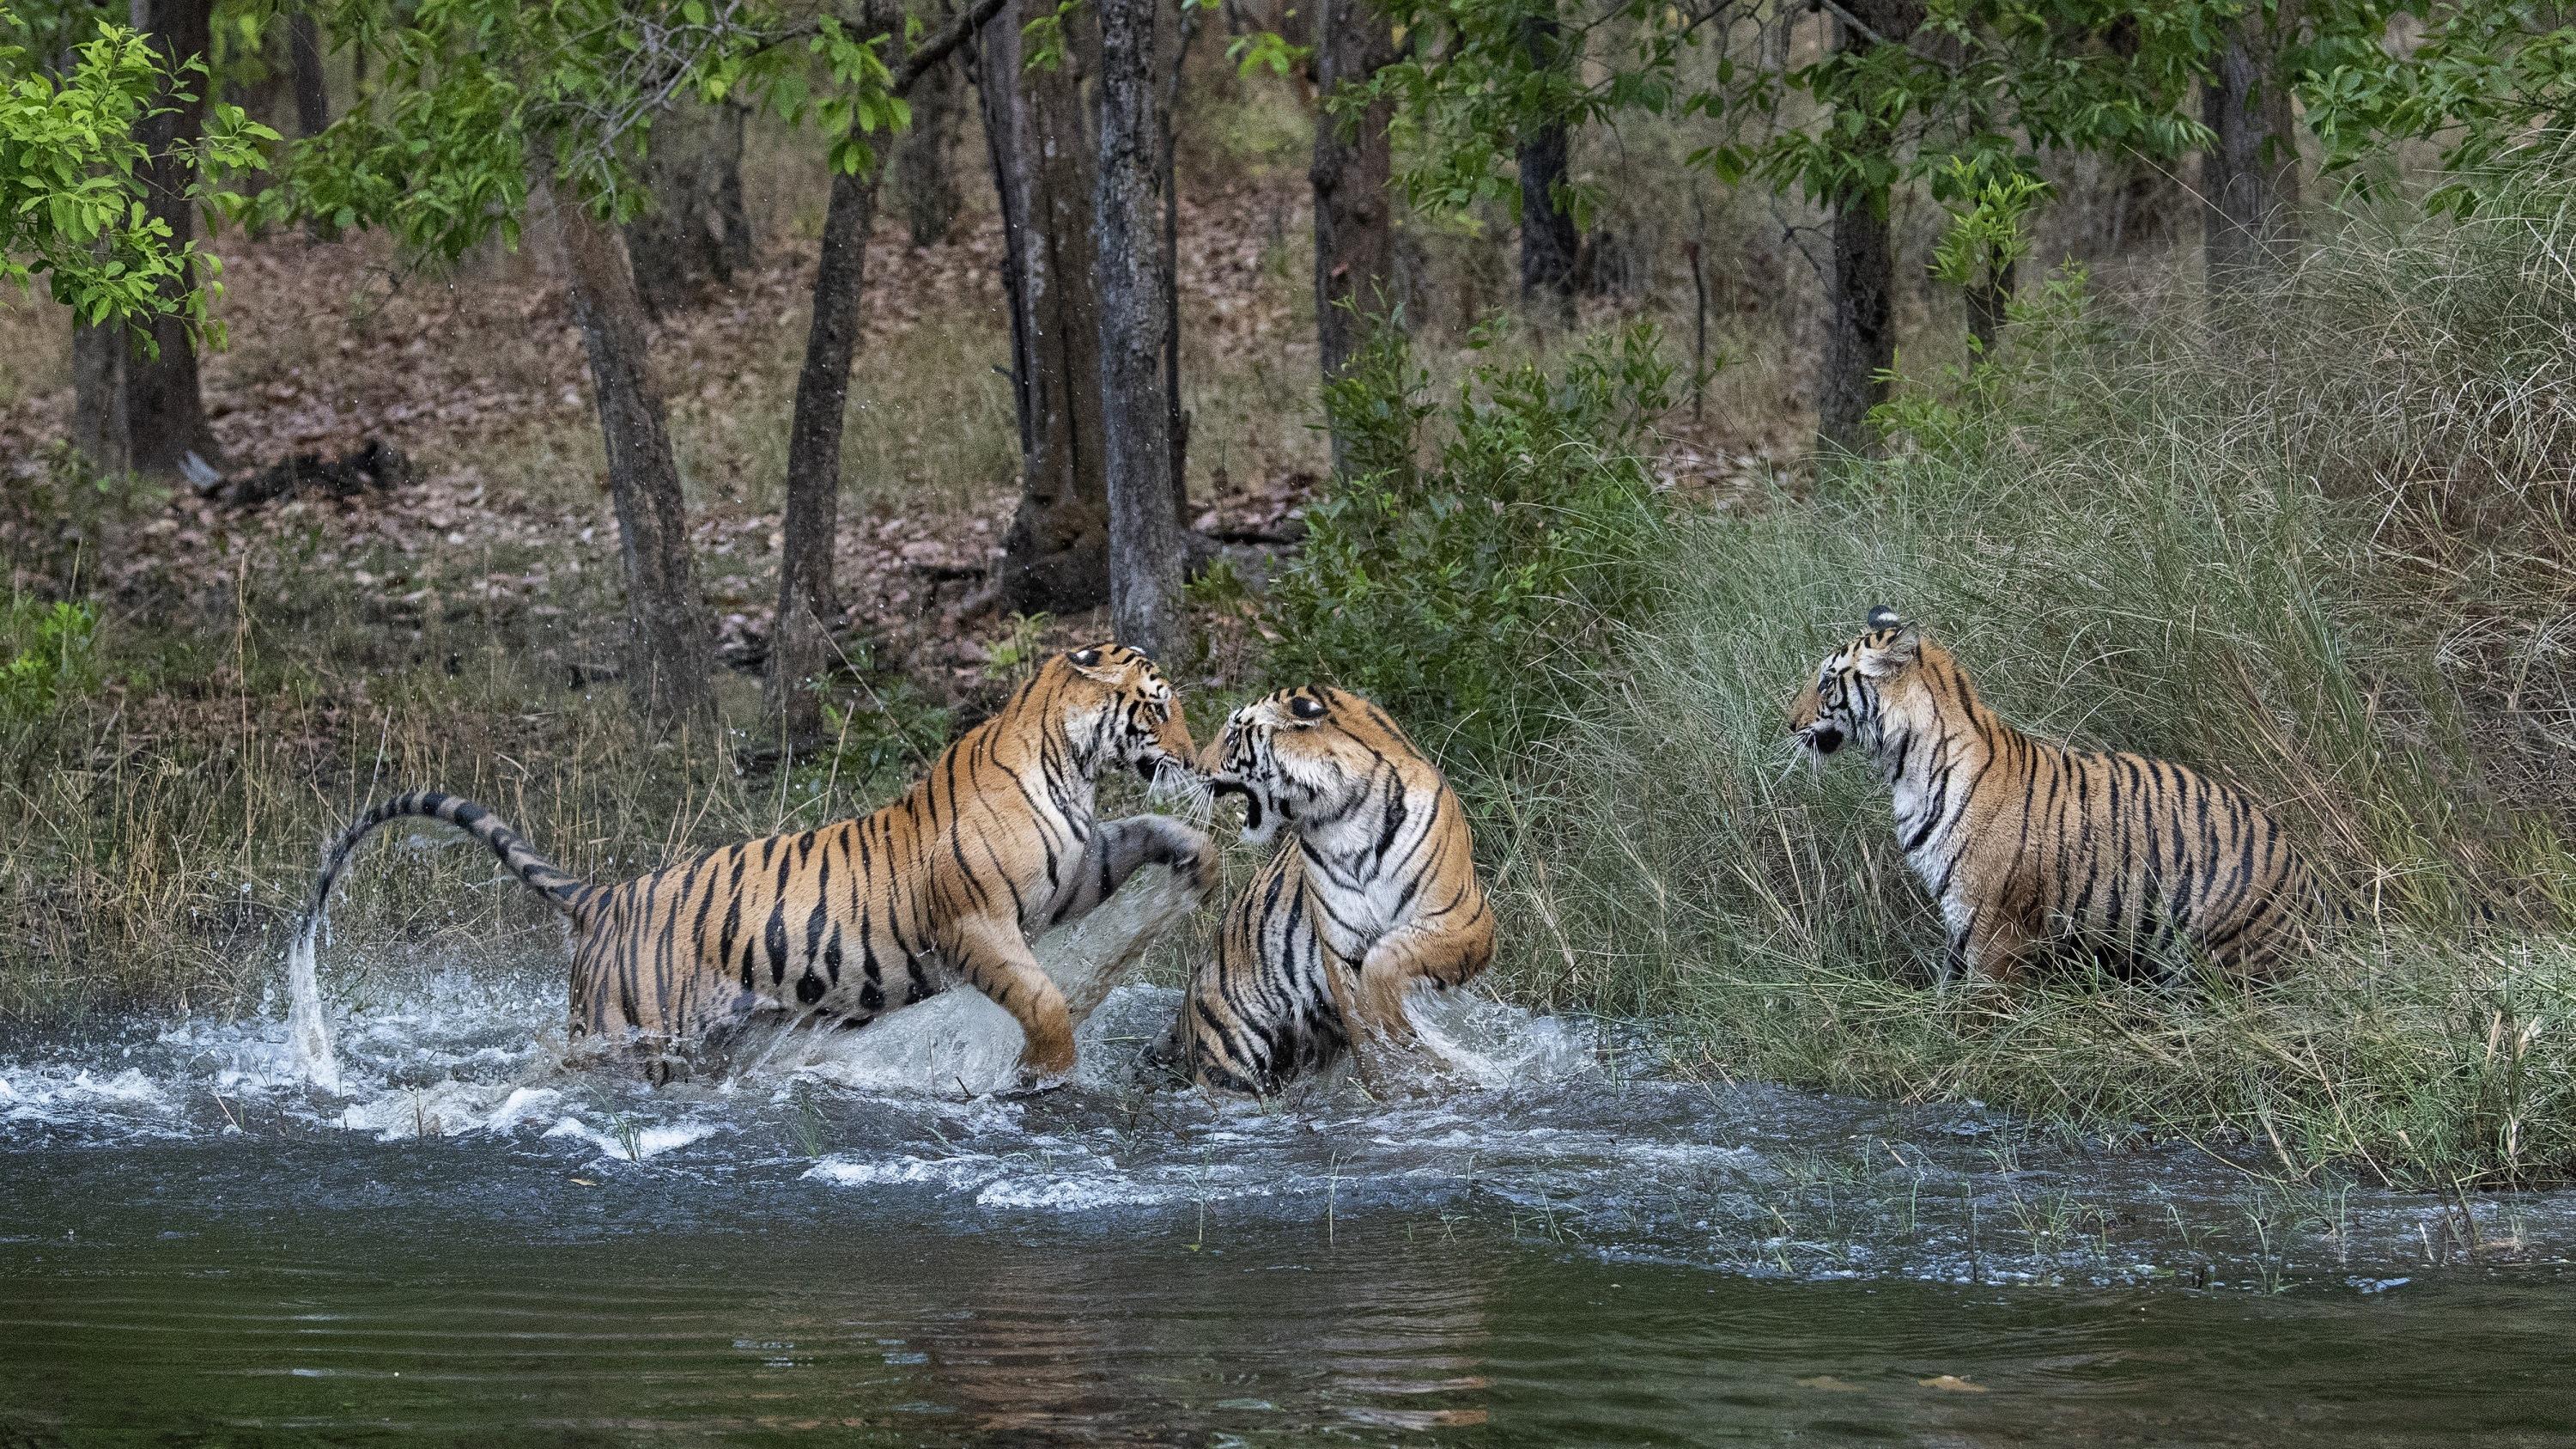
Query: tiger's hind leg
x,y
1988,948
1118,847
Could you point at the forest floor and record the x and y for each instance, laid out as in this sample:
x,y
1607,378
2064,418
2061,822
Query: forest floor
x,y
478,379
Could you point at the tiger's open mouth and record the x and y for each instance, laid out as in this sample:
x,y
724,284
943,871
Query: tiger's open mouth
x,y
1824,739
1225,785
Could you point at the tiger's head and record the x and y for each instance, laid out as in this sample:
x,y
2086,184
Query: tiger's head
x,y
1852,691
1306,754
1119,706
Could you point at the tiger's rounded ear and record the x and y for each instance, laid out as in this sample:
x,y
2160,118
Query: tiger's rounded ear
x,y
1883,617
1880,660
1088,662
1306,706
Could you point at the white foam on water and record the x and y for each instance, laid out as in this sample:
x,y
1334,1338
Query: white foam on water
x,y
308,1025
452,1109
634,1143
55,1095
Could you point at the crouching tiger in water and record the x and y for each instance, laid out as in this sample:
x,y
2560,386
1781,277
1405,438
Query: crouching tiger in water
x,y
2024,843
858,918
1375,890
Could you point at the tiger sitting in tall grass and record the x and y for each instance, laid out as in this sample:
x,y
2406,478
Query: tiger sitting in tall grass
x,y
863,917
1374,892
2027,844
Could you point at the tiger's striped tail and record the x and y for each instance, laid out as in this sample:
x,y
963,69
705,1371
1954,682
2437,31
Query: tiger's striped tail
x,y
308,1030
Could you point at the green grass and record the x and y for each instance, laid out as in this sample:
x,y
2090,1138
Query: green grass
x,y
2313,540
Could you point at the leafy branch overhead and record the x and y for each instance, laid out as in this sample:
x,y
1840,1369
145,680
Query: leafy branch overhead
x,y
482,97
71,193
1962,96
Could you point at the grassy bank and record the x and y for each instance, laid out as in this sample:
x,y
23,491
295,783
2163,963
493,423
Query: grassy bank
x,y
2314,538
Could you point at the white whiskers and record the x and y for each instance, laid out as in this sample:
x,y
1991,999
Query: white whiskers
x,y
1182,792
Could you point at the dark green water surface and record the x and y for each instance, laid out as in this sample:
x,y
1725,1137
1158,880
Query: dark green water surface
x,y
471,1246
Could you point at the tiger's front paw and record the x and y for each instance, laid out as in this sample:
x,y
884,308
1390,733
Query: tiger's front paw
x,y
1033,1086
1191,855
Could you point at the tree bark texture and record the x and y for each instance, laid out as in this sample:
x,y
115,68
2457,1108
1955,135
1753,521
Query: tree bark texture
x,y
1550,247
2249,177
158,416
312,90
925,178
668,651
808,599
1146,560
1860,323
697,233
1860,294
1167,167
1353,179
1988,300
1056,552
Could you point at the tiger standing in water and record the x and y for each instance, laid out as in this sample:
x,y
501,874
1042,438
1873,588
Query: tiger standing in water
x,y
1375,892
862,917
2024,843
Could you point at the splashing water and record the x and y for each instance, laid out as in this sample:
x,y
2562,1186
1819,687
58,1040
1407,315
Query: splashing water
x,y
959,1040
1533,1122
308,1026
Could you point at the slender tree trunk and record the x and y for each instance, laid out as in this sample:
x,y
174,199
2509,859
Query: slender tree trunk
x,y
1056,553
668,654
1146,561
808,598
1549,243
1860,323
1353,177
1860,296
925,181
808,595
2250,176
1185,24
98,396
163,416
1987,301
698,232
312,91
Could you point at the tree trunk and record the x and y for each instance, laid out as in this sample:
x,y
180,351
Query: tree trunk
x,y
1056,553
1353,179
925,183
1146,561
697,233
1860,296
1167,169
668,656
2249,177
312,91
808,601
1988,299
1860,323
1549,245
160,416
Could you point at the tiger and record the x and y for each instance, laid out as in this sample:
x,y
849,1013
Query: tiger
x,y
847,922
2026,844
1376,891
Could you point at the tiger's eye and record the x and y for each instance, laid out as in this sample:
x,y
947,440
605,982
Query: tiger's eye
x,y
1306,707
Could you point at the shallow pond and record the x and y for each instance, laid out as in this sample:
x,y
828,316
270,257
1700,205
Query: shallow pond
x,y
472,1245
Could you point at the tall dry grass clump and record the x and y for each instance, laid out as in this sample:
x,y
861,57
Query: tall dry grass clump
x,y
2312,537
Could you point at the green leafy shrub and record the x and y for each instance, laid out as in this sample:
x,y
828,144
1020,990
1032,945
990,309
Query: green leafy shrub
x,y
1456,594
45,656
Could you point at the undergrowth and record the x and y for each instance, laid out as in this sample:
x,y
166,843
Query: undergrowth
x,y
2313,539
